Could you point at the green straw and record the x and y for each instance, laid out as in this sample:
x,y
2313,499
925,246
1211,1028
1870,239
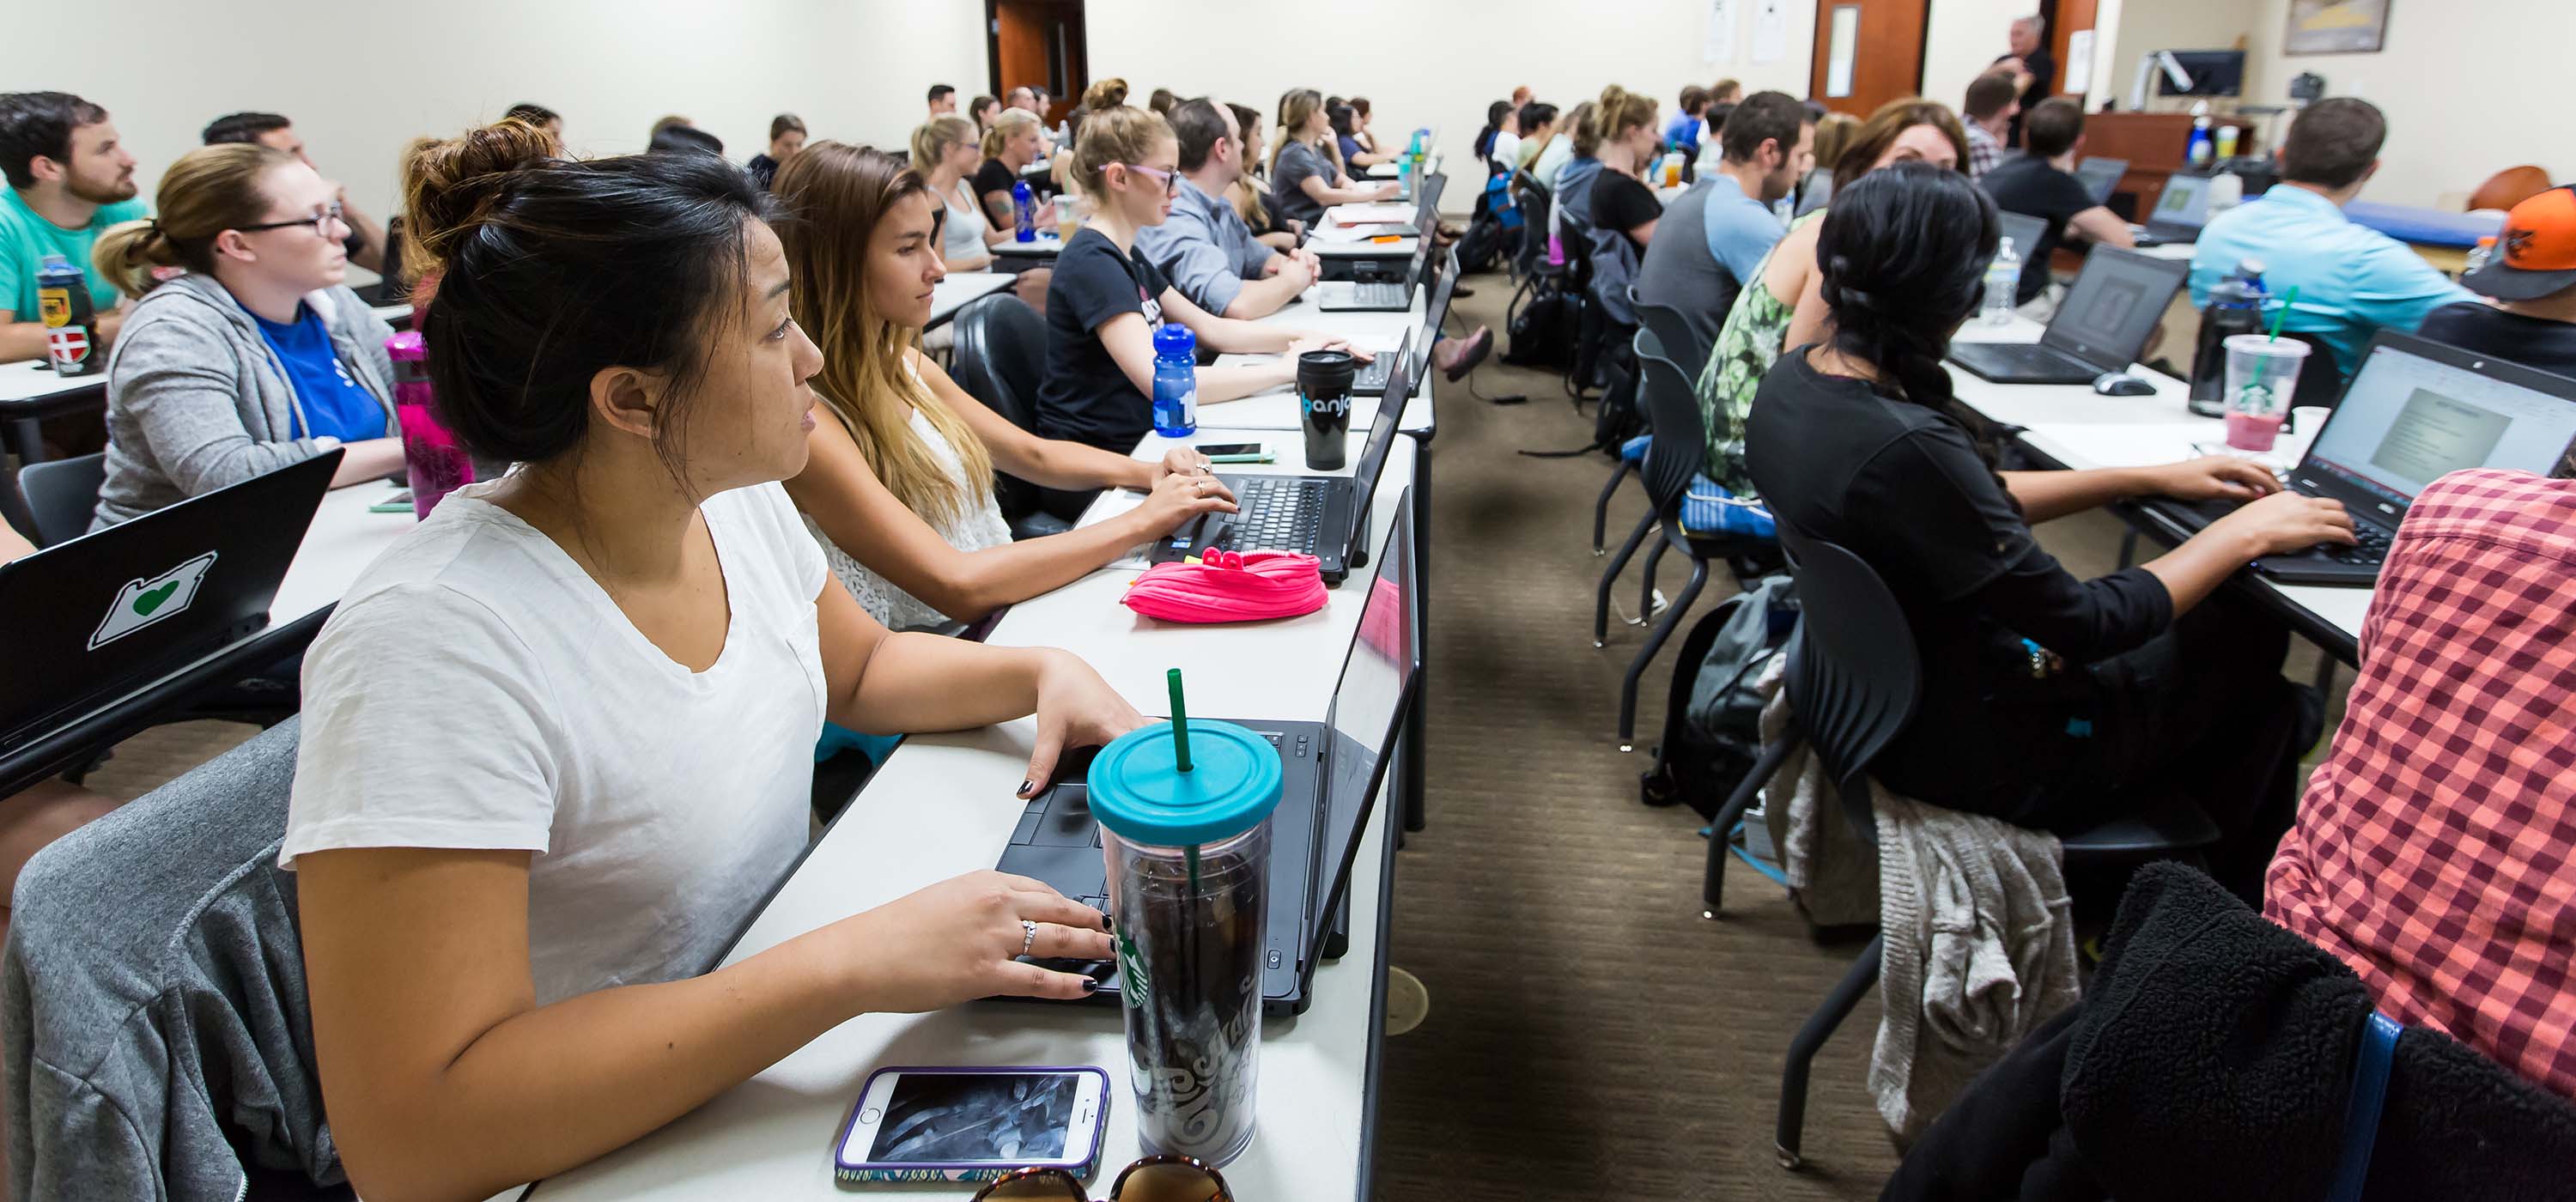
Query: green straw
x,y
1180,723
2262,367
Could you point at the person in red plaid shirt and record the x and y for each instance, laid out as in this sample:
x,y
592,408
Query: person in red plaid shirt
x,y
2435,852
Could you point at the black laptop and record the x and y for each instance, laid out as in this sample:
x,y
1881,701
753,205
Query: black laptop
x,y
1426,215
1323,516
93,619
2179,214
2100,327
1376,296
2414,412
2101,177
1331,775
394,288
1372,376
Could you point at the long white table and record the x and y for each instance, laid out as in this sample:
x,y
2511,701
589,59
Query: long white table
x,y
2075,427
1277,409
944,805
956,291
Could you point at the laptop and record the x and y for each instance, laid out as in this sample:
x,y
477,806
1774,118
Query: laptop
x,y
2180,212
96,618
1372,376
2100,327
1332,774
394,288
2414,412
1323,516
1425,215
1375,296
2101,177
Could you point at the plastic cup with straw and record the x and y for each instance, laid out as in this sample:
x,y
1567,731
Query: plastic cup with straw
x,y
2252,423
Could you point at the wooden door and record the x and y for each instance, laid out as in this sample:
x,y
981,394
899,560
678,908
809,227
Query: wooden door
x,y
2072,17
1878,44
1038,42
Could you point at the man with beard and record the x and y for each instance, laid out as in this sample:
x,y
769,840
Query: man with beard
x,y
70,178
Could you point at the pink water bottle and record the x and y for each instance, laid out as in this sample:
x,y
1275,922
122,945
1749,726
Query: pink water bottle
x,y
436,461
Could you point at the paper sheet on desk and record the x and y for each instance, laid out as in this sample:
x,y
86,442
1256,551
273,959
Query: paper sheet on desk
x,y
1364,214
1341,234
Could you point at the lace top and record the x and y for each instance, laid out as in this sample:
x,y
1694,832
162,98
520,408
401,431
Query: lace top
x,y
979,527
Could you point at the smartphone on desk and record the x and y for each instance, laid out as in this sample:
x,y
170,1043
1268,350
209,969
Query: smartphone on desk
x,y
973,1124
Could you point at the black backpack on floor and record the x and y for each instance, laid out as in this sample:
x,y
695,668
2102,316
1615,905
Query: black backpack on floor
x,y
1713,716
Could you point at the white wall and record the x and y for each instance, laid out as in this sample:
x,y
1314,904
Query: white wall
x,y
361,80
1434,64
1962,38
2470,87
2149,25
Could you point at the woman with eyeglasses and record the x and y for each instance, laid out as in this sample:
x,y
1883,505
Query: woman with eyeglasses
x,y
1106,300
255,355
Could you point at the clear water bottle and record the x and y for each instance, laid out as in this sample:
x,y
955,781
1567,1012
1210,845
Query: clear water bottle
x,y
1176,381
2003,284
1024,212
2479,255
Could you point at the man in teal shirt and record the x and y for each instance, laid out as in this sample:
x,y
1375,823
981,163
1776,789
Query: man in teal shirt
x,y
2352,280
69,180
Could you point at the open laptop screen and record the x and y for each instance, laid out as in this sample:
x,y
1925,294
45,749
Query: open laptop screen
x,y
2100,176
2115,302
2185,203
2408,419
1370,698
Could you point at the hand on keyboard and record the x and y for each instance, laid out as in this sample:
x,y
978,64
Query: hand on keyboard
x,y
2282,523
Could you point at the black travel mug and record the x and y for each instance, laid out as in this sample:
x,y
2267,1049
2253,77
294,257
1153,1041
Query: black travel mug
x,y
1324,405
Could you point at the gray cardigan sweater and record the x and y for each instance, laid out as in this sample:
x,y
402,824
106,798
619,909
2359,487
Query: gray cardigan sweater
x,y
197,401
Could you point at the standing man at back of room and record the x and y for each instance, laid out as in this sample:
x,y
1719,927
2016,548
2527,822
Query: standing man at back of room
x,y
2033,68
2353,281
70,178
366,243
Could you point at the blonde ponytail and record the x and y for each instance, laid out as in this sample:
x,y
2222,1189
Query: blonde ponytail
x,y
207,191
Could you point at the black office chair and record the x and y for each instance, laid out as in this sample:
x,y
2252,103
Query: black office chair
x,y
1854,678
1001,345
2320,381
1682,344
1671,467
62,495
1632,457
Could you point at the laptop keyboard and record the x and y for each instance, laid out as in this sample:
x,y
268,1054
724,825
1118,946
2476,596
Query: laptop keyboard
x,y
1371,376
2369,552
2027,356
1381,294
1276,513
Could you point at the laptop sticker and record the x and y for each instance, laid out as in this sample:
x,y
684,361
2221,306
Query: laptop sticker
x,y
143,602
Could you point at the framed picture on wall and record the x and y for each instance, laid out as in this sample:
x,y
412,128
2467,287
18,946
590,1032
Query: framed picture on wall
x,y
2336,27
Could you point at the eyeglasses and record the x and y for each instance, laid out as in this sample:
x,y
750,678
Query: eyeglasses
x,y
321,222
1153,1179
1171,179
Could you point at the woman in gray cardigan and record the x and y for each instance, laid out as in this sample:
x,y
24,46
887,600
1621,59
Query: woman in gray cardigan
x,y
257,356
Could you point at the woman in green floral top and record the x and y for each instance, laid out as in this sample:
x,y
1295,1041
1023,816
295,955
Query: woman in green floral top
x,y
1780,307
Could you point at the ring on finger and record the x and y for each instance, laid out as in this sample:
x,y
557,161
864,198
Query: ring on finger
x,y
1030,938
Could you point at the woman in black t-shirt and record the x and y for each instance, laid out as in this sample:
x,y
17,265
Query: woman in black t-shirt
x,y
1106,300
1010,145
1621,201
2048,701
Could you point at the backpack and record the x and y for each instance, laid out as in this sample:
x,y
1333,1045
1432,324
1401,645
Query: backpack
x,y
1544,330
1486,241
1713,715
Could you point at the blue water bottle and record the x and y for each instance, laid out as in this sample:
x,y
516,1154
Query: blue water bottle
x,y
1176,381
1024,212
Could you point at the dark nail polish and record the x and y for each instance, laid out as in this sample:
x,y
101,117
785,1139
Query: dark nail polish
x,y
1090,986
1027,785
1107,922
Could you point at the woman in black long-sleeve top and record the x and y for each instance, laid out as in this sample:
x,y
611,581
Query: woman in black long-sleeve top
x,y
2048,701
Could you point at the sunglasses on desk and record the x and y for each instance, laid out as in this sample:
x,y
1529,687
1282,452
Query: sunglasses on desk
x,y
1153,1179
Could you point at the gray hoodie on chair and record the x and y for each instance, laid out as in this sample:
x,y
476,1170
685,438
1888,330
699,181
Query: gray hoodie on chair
x,y
197,401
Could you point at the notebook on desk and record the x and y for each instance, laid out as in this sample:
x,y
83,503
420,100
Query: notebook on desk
x,y
2100,327
100,616
1332,775
2414,412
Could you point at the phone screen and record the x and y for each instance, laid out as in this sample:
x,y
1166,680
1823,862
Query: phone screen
x,y
1229,448
973,1118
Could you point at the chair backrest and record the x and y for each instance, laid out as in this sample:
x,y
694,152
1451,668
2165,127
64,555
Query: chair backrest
x,y
1001,346
1680,447
2320,381
62,494
1534,204
1682,344
1854,676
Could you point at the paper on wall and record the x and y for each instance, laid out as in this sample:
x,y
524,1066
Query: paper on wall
x,y
1721,32
1770,31
2079,61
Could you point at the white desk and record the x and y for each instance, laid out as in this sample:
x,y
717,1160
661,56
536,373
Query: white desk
x,y
1045,246
343,539
943,805
1277,409
953,293
34,380
2079,428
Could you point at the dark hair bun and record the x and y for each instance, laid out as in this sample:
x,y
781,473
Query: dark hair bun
x,y
449,185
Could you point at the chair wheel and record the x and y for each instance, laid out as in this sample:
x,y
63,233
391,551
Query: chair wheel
x,y
1598,644
1626,747
1789,1160
1654,788
1710,915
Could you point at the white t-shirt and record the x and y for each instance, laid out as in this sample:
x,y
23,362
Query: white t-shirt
x,y
477,689
963,237
1507,149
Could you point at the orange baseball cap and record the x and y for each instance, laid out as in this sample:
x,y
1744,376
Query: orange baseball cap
x,y
2536,254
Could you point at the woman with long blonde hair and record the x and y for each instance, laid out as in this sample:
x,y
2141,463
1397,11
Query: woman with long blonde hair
x,y
898,484
1306,175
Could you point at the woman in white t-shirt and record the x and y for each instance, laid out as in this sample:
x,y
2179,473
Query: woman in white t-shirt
x,y
946,151
899,487
557,741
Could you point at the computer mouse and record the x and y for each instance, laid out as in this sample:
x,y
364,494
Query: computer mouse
x,y
2113,383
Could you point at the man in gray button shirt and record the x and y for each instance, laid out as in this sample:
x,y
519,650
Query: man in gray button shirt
x,y
1204,247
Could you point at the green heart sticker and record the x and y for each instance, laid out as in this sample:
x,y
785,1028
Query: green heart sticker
x,y
151,599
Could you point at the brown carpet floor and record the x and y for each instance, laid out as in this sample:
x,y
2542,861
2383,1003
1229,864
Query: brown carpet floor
x,y
1590,1036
